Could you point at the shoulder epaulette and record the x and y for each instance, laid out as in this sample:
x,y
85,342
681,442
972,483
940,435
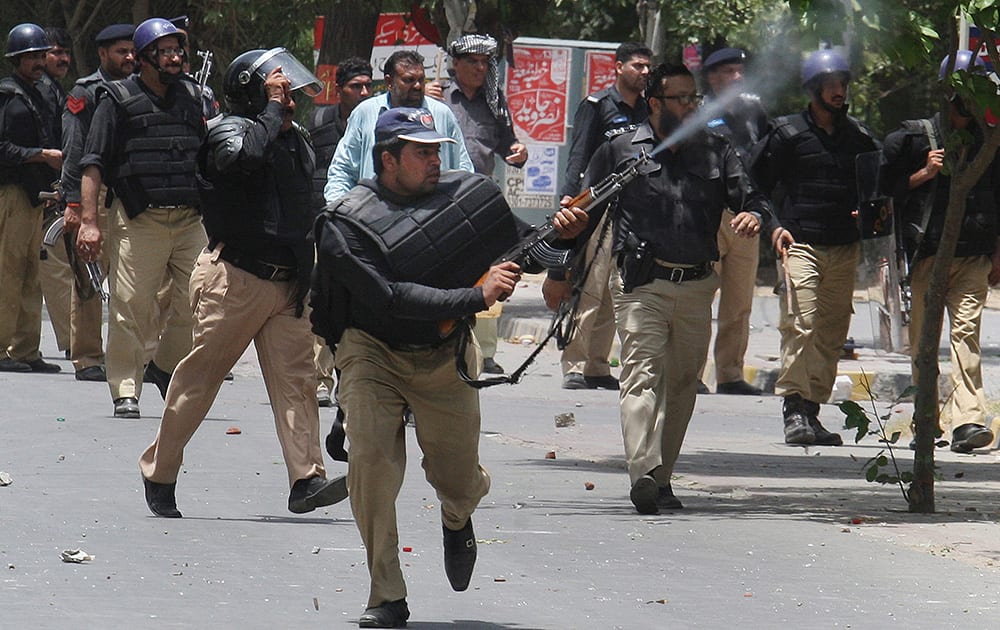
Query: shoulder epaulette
x,y
596,97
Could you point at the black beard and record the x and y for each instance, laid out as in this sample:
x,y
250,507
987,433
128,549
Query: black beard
x,y
668,124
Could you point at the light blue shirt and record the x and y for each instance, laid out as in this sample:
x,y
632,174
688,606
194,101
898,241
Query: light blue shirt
x,y
353,162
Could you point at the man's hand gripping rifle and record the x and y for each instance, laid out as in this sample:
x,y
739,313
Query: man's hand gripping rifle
x,y
537,247
88,276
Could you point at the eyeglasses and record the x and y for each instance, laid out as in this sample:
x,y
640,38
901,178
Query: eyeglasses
x,y
684,99
170,52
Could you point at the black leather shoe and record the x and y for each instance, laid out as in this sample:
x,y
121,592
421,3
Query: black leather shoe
x,y
309,494
10,365
602,382
160,498
703,388
459,555
643,495
665,499
385,615
738,388
575,381
161,378
39,365
126,407
798,431
94,373
822,436
491,367
970,436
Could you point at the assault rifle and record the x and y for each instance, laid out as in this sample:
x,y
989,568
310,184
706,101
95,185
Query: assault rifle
x,y
205,71
89,277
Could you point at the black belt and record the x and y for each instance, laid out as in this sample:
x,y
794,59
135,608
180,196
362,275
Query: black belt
x,y
261,269
681,274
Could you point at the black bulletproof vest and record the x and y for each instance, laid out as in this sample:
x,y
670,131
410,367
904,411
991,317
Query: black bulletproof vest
x,y
157,164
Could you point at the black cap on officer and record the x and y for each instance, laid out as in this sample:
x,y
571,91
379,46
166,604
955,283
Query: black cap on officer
x,y
723,56
114,33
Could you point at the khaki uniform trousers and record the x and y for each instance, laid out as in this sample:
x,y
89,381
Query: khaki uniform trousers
x,y
587,352
813,334
323,363
142,249
737,269
965,297
376,384
87,316
664,328
20,291
56,277
233,308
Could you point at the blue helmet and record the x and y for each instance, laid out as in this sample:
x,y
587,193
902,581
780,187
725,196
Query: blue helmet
x,y
25,38
964,60
822,62
152,30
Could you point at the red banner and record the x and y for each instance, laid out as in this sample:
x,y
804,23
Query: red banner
x,y
538,92
600,69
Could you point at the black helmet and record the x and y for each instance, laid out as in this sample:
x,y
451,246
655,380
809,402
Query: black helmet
x,y
243,84
26,38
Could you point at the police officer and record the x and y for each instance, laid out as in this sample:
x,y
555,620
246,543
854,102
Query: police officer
x,y
55,273
250,282
609,111
914,157
380,294
744,122
29,162
116,55
144,140
353,84
812,156
664,243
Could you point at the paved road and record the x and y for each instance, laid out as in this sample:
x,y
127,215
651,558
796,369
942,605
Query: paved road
x,y
770,536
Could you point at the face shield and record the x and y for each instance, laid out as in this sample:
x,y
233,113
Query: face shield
x,y
295,72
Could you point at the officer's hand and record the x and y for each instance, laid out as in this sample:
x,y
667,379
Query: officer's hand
x,y
434,89
935,160
88,242
556,292
500,282
565,201
71,218
277,85
745,224
52,158
518,154
569,222
781,240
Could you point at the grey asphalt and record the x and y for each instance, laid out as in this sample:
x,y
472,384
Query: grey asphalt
x,y
770,536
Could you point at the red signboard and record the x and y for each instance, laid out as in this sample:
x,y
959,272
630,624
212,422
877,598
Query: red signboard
x,y
538,92
600,68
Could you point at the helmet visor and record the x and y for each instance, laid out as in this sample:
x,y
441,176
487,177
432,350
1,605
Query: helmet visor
x,y
294,71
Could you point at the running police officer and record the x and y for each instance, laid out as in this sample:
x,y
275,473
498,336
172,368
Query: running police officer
x,y
143,141
250,282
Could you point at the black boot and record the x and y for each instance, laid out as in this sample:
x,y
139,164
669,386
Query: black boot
x,y
798,431
823,437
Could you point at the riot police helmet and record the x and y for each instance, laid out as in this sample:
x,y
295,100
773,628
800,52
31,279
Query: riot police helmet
x,y
964,60
153,29
243,83
821,63
26,38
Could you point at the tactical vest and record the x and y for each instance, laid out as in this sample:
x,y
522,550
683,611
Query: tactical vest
x,y
979,225
821,186
270,206
156,167
325,136
36,176
448,242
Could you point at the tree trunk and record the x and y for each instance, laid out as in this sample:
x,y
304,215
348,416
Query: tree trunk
x,y
349,30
